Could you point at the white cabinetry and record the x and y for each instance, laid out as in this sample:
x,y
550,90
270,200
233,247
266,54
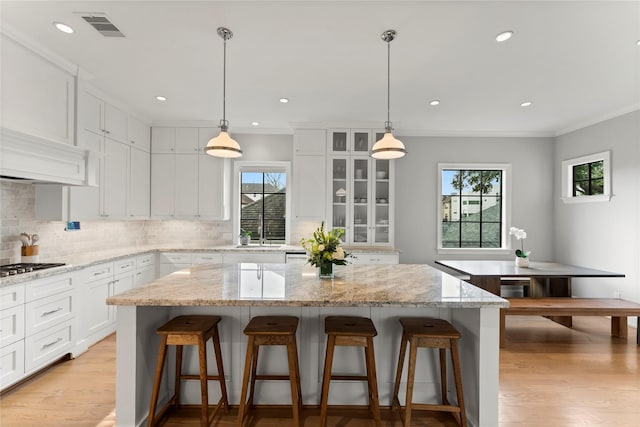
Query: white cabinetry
x,y
174,261
139,134
309,174
361,193
185,182
102,118
145,269
37,325
375,258
139,183
255,257
115,179
96,317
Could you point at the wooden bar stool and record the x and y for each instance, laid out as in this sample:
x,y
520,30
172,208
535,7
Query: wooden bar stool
x,y
354,332
189,330
271,330
432,333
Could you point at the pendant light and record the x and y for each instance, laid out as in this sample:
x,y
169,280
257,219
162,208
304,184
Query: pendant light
x,y
223,145
388,147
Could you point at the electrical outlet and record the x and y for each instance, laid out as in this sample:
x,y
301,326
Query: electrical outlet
x,y
616,294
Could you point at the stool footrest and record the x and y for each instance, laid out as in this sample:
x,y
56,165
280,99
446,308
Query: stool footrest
x,y
435,407
197,377
350,377
272,377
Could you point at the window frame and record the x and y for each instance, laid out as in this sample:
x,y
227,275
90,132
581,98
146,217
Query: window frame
x,y
505,244
567,178
258,166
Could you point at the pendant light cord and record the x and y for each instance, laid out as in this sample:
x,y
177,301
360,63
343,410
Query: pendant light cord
x,y
224,83
388,84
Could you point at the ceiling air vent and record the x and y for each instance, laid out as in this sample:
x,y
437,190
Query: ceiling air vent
x,y
103,25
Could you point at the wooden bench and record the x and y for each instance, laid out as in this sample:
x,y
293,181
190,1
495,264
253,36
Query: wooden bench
x,y
618,309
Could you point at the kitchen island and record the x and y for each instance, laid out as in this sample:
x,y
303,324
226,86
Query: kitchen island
x,y
238,292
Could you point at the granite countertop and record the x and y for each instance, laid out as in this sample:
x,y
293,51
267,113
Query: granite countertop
x,y
81,261
294,285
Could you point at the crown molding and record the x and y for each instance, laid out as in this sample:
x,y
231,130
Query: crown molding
x,y
599,119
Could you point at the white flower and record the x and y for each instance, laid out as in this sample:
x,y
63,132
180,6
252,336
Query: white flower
x,y
320,248
339,254
518,233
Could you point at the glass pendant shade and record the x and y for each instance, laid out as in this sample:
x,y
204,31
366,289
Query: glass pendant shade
x,y
223,146
388,148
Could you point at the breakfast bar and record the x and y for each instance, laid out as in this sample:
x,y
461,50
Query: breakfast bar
x,y
238,292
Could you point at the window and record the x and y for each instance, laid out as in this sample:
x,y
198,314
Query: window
x,y
473,210
587,178
263,201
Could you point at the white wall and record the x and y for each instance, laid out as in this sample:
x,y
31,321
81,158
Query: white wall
x,y
417,193
257,147
603,235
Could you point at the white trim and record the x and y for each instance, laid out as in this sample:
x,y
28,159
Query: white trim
x,y
567,181
240,165
505,244
598,119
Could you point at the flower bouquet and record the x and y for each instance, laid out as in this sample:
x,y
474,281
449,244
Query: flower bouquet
x,y
324,250
522,257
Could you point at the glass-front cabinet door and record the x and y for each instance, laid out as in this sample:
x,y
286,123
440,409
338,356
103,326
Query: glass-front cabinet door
x,y
381,210
339,190
361,198
349,141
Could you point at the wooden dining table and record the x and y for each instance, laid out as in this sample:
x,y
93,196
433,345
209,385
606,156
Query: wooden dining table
x,y
545,279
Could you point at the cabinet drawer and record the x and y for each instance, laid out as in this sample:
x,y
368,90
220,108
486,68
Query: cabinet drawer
x,y
124,265
207,259
11,325
47,346
175,258
11,364
11,296
46,312
99,272
375,258
49,286
144,276
144,261
259,257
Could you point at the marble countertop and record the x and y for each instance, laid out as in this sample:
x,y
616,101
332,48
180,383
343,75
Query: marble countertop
x,y
250,284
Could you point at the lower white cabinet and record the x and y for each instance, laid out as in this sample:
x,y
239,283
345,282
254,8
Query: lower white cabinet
x,y
97,318
37,325
257,257
145,269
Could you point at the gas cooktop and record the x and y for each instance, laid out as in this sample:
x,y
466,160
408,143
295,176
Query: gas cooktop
x,y
13,269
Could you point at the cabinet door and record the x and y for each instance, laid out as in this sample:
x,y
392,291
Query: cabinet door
x,y
339,141
213,183
84,202
139,183
162,185
97,313
139,135
115,179
92,113
360,199
186,140
382,203
115,123
309,183
186,185
309,141
144,276
339,194
360,141
163,140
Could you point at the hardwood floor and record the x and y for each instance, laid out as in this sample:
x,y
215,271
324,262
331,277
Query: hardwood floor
x,y
549,376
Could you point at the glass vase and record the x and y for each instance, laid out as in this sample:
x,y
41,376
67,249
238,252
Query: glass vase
x,y
325,271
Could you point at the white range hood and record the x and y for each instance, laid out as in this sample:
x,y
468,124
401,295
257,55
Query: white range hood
x,y
31,158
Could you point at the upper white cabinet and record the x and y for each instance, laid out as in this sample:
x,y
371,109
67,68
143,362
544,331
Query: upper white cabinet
x,y
139,183
186,183
37,94
349,141
102,118
360,190
309,174
175,140
115,179
139,134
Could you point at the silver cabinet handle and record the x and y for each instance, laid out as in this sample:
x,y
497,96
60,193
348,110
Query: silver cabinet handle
x,y
44,346
49,313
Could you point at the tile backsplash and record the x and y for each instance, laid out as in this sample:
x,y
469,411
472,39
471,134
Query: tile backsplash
x,y
17,215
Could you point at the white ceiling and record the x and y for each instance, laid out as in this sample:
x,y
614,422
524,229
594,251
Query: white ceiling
x,y
577,61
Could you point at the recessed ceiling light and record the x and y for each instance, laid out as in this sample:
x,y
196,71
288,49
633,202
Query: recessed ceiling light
x,y
434,102
161,98
526,104
504,36
284,100
255,123
63,27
